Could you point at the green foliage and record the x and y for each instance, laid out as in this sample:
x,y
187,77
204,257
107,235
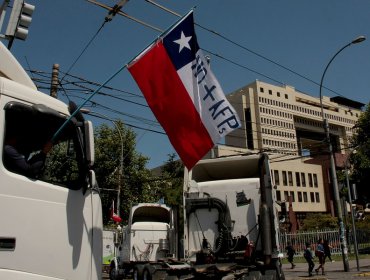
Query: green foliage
x,y
319,221
61,166
110,144
173,173
363,224
361,159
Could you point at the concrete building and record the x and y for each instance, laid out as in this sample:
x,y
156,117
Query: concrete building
x,y
288,124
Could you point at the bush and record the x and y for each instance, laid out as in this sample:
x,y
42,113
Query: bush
x,y
319,221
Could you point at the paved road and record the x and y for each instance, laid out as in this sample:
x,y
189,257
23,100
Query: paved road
x,y
333,270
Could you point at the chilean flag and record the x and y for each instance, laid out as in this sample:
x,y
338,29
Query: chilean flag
x,y
183,93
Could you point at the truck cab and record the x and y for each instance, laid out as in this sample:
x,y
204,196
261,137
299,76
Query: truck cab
x,y
230,214
51,220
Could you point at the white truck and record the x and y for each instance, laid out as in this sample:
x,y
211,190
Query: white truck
x,y
230,227
109,248
230,218
149,245
51,222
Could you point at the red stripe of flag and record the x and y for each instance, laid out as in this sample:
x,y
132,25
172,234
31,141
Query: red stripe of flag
x,y
171,104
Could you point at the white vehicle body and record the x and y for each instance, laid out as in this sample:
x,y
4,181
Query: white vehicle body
x,y
146,238
109,250
149,245
231,210
50,228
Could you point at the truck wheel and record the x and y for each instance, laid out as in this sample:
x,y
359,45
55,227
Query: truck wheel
x,y
138,272
113,273
146,274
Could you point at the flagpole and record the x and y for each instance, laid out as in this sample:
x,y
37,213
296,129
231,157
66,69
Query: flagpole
x,y
56,134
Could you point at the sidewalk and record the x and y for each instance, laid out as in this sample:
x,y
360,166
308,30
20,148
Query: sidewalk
x,y
333,270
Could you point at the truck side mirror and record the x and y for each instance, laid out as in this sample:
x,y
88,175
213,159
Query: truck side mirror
x,y
93,184
89,142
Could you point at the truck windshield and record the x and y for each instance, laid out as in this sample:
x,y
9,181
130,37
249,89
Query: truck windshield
x,y
26,133
151,214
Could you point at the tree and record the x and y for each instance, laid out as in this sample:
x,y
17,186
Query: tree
x,y
168,186
319,221
173,171
360,159
135,176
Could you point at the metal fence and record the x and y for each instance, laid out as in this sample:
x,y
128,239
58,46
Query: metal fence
x,y
299,239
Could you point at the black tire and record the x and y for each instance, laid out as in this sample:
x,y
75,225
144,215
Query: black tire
x,y
113,273
138,272
147,275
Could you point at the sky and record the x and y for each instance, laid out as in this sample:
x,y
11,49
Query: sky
x,y
280,42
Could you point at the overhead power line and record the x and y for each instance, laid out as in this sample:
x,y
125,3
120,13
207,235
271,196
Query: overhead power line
x,y
244,48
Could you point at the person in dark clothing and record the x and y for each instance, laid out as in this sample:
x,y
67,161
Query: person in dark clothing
x,y
321,255
17,162
309,258
327,250
290,251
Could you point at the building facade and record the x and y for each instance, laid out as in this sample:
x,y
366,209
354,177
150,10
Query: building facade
x,y
288,124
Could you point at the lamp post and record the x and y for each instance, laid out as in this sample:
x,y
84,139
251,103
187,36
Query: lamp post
x,y
96,114
352,214
338,208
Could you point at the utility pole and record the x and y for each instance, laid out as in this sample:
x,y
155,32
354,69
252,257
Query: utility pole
x,y
54,81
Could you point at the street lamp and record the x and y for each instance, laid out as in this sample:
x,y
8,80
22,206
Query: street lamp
x,y
96,114
338,208
352,214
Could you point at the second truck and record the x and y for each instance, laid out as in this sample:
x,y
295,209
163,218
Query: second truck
x,y
230,227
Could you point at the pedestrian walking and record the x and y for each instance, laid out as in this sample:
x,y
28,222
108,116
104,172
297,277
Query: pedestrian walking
x,y
290,251
319,252
327,250
309,258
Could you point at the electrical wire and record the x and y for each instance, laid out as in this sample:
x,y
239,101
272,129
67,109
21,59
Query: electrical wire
x,y
243,47
84,49
94,104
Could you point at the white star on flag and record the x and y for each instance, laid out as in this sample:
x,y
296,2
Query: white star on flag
x,y
183,42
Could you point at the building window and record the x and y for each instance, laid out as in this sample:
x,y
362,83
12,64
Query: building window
x,y
305,199
285,178
310,182
299,196
276,175
270,91
286,196
303,178
312,195
297,179
278,196
261,89
317,197
293,197
286,96
290,177
316,185
278,94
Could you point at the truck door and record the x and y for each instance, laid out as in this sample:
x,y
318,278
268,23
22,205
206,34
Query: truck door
x,y
47,217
